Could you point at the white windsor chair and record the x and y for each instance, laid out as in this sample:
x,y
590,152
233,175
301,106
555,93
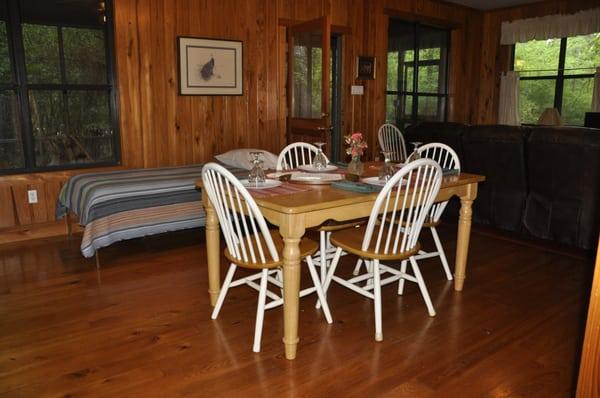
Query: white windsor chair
x,y
391,140
391,234
447,158
251,245
300,154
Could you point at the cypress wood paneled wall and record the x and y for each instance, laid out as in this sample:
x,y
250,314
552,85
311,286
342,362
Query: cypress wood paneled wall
x,y
161,128
495,58
158,127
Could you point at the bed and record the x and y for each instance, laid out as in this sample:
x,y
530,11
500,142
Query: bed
x,y
125,204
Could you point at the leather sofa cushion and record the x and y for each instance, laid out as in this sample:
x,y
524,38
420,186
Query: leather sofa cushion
x,y
498,152
564,185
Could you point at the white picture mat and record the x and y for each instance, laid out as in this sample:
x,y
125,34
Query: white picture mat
x,y
223,77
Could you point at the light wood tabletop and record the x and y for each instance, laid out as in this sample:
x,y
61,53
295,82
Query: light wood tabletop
x,y
294,213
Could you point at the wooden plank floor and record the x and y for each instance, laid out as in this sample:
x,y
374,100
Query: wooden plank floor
x,y
141,327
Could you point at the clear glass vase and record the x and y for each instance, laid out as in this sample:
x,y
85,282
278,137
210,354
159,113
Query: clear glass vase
x,y
356,166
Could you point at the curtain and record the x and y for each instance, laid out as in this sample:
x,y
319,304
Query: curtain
x,y
551,27
596,95
508,109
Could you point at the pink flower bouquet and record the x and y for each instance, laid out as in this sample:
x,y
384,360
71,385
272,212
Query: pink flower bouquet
x,y
357,144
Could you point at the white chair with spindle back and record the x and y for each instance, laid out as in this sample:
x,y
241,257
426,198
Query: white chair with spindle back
x,y
405,202
447,158
300,154
251,245
391,140
296,154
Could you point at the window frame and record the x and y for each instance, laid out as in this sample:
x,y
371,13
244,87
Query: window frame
x,y
20,85
559,77
416,64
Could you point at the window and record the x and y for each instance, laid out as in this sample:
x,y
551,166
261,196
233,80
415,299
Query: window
x,y
557,73
57,94
417,63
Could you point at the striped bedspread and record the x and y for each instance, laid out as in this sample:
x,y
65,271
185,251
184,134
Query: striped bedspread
x,y
126,204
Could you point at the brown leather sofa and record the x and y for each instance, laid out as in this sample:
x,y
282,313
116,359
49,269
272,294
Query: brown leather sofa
x,y
542,182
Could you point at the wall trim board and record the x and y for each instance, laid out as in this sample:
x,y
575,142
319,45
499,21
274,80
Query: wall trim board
x,y
344,30
25,234
432,21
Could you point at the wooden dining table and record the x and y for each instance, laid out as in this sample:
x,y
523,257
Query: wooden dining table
x,y
295,213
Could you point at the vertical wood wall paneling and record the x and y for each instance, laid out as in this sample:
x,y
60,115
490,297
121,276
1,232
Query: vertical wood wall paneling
x,y
128,70
7,209
158,127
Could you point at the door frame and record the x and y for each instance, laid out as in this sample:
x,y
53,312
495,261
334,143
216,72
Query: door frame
x,y
344,33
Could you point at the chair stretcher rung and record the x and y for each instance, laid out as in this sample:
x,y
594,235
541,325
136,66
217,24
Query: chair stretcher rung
x,y
279,300
355,288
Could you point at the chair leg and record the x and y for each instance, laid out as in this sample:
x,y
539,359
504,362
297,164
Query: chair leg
x,y
442,254
421,283
323,253
223,292
401,282
357,267
330,272
260,310
280,278
377,300
317,282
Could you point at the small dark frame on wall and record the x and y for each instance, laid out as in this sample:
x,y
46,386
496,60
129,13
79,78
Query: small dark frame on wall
x,y
209,66
365,68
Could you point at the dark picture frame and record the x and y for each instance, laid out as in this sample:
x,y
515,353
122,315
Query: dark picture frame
x,y
365,67
209,66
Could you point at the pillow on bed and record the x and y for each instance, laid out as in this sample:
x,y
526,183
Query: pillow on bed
x,y
241,158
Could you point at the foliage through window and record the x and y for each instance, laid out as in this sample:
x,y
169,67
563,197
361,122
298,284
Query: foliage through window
x,y
417,60
557,73
57,96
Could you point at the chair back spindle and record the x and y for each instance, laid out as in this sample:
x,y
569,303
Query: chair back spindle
x,y
242,223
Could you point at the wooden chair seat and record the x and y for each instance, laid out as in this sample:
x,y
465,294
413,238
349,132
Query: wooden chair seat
x,y
350,240
307,248
332,225
428,223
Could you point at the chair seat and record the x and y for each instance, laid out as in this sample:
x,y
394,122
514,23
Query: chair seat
x,y
350,240
428,223
307,248
332,225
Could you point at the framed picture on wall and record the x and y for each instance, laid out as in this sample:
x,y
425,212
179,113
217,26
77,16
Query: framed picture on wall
x,y
209,66
365,68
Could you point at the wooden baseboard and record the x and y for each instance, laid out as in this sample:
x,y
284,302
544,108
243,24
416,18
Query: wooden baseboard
x,y
20,235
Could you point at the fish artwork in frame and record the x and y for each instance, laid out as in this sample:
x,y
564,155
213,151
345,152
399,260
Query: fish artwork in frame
x,y
209,66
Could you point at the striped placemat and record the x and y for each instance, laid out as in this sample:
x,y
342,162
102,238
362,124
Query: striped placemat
x,y
284,189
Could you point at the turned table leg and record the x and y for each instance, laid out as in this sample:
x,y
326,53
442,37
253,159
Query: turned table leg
x,y
292,233
464,234
212,251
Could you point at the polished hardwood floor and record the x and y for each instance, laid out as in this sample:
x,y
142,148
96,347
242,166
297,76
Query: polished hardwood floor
x,y
141,327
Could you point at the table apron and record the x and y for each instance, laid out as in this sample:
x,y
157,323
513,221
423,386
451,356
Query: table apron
x,y
353,211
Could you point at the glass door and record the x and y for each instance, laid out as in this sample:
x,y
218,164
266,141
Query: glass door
x,y
417,73
308,88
